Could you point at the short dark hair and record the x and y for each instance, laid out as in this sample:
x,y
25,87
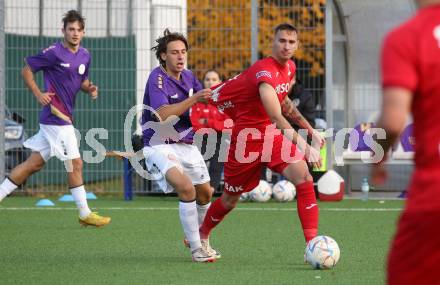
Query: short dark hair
x,y
73,16
285,27
163,42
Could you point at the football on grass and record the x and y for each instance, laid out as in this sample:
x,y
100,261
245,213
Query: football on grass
x,y
322,252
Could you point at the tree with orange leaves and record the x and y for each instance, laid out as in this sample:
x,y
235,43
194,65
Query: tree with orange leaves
x,y
220,33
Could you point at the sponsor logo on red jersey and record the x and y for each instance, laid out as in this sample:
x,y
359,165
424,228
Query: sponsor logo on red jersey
x,y
282,88
232,188
263,73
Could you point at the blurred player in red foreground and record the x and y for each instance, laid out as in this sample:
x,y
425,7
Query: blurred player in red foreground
x,y
411,82
262,136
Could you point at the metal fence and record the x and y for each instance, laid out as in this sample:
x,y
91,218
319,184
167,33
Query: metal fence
x,y
226,35
358,31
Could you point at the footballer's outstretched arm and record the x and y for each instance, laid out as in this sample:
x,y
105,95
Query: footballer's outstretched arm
x,y
272,106
179,108
290,111
28,78
273,109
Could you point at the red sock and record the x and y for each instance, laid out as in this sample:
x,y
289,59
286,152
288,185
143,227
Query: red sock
x,y
214,216
308,210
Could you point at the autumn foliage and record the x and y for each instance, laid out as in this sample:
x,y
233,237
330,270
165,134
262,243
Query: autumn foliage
x,y
220,33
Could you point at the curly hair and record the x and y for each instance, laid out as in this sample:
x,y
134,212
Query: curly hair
x,y
163,41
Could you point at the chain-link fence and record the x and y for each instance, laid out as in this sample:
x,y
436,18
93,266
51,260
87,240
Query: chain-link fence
x,y
358,31
225,35
34,25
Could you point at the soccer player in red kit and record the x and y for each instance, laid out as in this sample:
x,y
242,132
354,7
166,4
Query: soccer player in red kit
x,y
411,83
261,135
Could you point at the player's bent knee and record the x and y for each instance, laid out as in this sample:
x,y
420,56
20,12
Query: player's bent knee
x,y
306,177
203,199
204,193
185,190
298,173
35,165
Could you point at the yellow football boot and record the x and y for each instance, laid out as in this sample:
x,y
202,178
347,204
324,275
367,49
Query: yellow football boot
x,y
94,220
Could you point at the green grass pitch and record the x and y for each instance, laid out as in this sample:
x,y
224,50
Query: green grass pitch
x,y
260,244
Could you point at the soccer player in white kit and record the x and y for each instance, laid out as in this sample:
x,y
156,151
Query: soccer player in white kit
x,y
65,67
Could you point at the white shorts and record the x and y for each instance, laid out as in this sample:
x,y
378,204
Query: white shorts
x,y
52,140
183,156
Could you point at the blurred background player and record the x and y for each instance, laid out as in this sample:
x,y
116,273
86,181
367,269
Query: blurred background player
x,y
253,100
204,115
168,92
65,67
411,82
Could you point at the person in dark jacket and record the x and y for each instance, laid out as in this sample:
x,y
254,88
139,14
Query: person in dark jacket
x,y
303,100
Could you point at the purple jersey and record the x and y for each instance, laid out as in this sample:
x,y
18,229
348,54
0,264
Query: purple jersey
x,y
63,73
162,89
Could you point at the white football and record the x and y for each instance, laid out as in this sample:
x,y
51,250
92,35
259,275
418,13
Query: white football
x,y
322,252
284,191
261,193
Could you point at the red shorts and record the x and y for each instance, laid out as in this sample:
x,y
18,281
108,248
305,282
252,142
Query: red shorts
x,y
415,252
245,161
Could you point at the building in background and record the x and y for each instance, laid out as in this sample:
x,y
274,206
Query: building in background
x,y
226,35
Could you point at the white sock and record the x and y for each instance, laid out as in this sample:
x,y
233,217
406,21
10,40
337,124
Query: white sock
x,y
188,218
6,188
201,212
79,195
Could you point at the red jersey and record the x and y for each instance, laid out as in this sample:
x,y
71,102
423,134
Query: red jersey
x,y
239,97
411,59
207,116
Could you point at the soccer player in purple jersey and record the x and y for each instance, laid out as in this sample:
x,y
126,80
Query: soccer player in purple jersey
x,y
65,67
170,92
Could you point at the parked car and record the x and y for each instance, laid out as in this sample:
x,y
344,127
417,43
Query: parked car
x,y
15,135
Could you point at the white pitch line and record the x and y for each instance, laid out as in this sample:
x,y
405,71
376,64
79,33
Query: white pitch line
x,y
175,209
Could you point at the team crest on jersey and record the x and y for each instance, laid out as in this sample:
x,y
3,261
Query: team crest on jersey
x,y
437,34
81,69
225,105
263,73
